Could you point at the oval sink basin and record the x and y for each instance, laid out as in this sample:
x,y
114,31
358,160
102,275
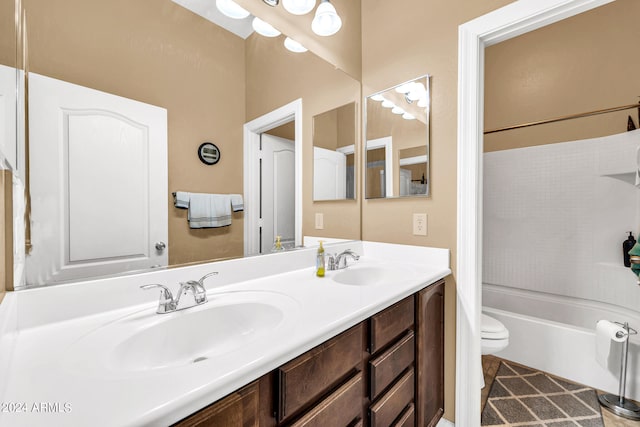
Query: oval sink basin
x,y
145,341
195,336
367,275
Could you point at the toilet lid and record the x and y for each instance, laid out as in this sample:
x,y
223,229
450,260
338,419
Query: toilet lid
x,y
493,329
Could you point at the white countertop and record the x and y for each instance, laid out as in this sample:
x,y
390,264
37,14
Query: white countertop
x,y
55,343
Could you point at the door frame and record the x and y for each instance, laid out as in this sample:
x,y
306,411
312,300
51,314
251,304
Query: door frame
x,y
251,176
502,24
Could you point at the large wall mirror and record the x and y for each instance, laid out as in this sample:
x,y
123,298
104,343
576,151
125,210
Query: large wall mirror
x,y
334,142
397,141
161,80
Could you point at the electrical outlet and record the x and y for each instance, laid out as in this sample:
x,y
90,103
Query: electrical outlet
x,y
319,221
419,224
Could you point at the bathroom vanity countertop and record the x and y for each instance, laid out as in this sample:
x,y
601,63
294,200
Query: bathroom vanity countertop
x,y
61,370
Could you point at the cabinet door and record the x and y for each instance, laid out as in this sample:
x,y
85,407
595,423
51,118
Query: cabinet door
x,y
430,354
239,409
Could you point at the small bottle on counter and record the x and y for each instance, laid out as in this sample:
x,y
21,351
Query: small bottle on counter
x,y
277,246
626,247
320,261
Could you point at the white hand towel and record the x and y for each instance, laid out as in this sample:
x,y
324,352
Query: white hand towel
x,y
209,210
182,199
237,203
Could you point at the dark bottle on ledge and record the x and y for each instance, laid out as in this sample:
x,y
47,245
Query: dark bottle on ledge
x,y
626,247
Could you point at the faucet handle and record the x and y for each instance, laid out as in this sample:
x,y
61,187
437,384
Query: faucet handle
x,y
165,293
206,276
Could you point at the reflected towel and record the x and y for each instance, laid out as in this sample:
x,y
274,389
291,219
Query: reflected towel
x,y
237,204
182,199
209,210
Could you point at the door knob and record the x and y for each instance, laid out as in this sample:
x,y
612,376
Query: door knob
x,y
161,246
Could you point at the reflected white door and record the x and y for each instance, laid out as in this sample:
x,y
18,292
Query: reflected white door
x,y
98,175
8,116
329,174
278,197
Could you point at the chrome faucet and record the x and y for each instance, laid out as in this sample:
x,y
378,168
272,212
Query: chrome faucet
x,y
340,260
168,303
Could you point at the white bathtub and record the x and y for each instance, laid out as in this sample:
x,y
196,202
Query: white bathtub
x,y
556,334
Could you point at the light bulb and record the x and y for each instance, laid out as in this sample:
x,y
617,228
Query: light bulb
x,y
326,22
404,88
231,9
397,110
299,7
294,46
378,98
264,28
388,104
408,116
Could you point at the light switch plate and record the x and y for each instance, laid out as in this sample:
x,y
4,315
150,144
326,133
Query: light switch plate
x,y
319,221
419,224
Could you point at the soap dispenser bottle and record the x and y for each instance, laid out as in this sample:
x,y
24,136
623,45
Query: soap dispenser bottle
x,y
626,247
277,246
320,261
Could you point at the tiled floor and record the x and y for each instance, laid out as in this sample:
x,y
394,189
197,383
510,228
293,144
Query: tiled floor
x,y
490,365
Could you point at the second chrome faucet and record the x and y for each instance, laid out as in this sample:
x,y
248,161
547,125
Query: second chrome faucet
x,y
168,303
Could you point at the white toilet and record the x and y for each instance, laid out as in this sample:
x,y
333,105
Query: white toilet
x,y
495,338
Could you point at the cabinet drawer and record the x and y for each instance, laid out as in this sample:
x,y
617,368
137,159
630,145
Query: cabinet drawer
x,y
393,402
313,374
339,409
408,417
389,365
390,323
239,409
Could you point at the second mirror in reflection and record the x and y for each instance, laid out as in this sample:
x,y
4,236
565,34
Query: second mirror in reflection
x,y
397,141
334,141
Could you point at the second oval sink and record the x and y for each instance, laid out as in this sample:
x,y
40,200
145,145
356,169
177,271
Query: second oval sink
x,y
367,275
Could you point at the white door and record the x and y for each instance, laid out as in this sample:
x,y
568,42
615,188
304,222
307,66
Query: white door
x,y
98,169
329,174
278,197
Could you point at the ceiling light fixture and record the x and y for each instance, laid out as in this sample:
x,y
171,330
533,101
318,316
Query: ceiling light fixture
x,y
326,22
299,7
272,3
231,9
294,46
264,28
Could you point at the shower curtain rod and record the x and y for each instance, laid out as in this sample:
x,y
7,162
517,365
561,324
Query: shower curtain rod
x,y
572,116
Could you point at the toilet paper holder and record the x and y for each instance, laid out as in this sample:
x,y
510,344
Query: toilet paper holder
x,y
618,404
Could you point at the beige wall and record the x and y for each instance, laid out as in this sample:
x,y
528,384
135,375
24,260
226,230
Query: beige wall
x,y
584,63
6,238
161,54
7,33
273,80
401,41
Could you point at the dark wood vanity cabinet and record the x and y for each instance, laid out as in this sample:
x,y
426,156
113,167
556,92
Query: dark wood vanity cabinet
x,y
386,371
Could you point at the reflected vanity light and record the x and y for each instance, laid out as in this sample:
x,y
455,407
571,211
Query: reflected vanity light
x,y
327,22
264,28
231,9
397,110
294,46
299,7
408,116
422,102
378,98
388,104
272,3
